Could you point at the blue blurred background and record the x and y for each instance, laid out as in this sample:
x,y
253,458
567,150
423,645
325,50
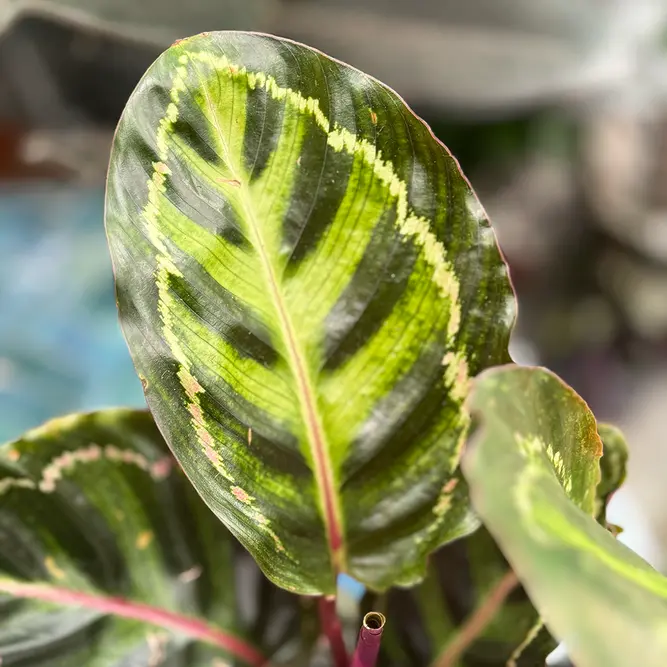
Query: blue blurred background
x,y
61,347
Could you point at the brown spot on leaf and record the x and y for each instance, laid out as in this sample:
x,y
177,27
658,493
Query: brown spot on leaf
x,y
144,539
191,575
249,436
161,469
189,383
13,455
53,569
156,643
195,411
144,382
241,495
451,485
234,182
374,117
210,452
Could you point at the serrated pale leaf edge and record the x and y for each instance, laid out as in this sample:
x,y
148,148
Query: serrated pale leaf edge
x,y
409,224
530,637
190,627
53,472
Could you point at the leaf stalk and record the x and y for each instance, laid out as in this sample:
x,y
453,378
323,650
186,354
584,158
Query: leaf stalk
x,y
333,631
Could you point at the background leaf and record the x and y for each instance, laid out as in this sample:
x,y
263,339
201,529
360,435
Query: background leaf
x,y
150,21
613,467
425,619
95,517
306,282
532,469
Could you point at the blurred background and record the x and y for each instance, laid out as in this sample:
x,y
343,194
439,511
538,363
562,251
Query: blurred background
x,y
556,110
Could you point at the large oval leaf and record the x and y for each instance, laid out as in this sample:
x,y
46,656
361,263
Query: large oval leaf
x,y
306,282
108,557
532,469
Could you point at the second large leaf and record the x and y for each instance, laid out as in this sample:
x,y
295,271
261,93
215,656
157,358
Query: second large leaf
x,y
306,282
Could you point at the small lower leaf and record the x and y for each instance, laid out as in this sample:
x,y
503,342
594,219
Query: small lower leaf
x,y
533,468
612,467
108,557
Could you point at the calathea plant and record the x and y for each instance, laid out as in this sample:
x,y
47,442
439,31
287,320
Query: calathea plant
x,y
312,296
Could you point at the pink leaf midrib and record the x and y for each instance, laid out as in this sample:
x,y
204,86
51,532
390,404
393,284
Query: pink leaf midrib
x,y
191,627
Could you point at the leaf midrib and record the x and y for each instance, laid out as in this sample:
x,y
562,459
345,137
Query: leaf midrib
x,y
191,627
306,396
316,435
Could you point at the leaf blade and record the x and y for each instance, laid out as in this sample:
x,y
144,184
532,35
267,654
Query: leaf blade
x,y
308,275
108,555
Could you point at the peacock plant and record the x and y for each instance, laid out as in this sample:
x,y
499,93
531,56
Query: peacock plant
x,y
312,295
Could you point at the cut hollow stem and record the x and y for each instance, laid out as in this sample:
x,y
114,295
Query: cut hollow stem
x,y
331,628
368,644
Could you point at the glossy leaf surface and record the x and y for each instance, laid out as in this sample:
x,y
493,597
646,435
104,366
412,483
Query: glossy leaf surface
x,y
306,282
533,469
109,558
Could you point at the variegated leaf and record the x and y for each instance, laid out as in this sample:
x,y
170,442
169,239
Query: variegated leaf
x,y
306,282
109,558
426,619
533,468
